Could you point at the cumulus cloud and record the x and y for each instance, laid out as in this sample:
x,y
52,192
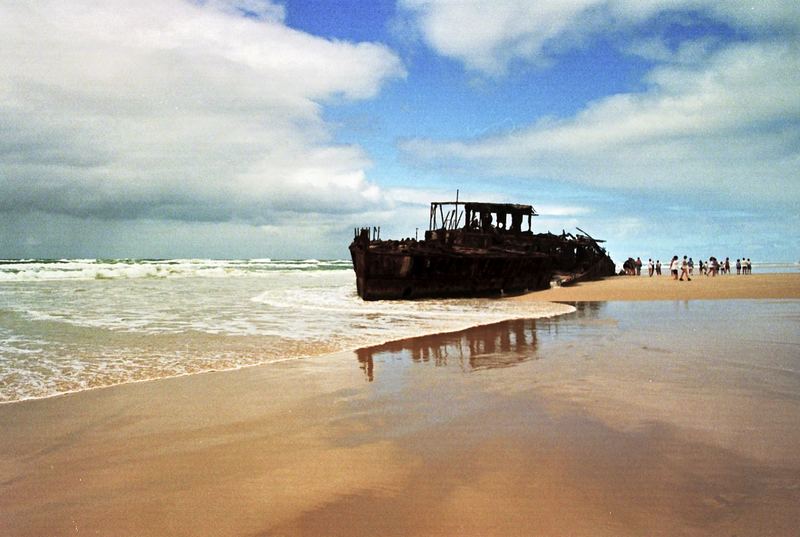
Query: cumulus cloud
x,y
714,116
732,126
171,109
486,37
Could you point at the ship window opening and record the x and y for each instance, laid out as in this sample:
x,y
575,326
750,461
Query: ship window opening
x,y
502,223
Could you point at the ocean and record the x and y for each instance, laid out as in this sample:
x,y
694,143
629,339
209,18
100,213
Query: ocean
x,y
76,324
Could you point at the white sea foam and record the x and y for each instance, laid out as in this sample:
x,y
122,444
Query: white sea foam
x,y
70,325
89,269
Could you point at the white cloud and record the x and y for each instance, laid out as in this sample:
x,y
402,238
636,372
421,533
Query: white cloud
x,y
732,126
170,109
687,53
486,37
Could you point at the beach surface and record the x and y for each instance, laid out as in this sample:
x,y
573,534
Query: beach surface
x,y
639,417
729,286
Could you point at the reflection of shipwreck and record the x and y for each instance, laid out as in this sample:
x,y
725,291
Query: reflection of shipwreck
x,y
491,346
474,249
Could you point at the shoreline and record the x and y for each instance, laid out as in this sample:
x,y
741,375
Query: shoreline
x,y
319,355
614,288
599,422
664,288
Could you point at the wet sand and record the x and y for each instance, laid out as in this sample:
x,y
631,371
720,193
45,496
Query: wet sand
x,y
624,418
663,287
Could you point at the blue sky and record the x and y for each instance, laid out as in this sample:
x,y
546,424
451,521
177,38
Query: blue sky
x,y
249,128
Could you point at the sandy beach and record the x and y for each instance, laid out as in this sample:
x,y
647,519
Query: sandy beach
x,y
752,286
653,409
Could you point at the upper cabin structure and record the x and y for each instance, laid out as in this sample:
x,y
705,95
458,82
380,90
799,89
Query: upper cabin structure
x,y
478,224
480,216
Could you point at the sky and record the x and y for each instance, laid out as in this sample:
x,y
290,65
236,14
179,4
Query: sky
x,y
272,129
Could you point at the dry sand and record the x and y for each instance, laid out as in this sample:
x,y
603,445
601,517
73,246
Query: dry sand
x,y
665,288
624,418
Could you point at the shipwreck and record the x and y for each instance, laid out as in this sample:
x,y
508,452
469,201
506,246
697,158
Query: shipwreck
x,y
474,249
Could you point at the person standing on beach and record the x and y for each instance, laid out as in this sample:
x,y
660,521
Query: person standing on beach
x,y
658,267
727,265
691,266
673,267
684,269
738,266
638,266
651,268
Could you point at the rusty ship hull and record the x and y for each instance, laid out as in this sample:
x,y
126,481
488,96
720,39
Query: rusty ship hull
x,y
471,252
425,272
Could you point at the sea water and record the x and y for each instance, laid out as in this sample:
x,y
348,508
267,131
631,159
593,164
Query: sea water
x,y
74,324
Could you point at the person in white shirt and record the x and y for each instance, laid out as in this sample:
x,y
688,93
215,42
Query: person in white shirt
x,y
685,270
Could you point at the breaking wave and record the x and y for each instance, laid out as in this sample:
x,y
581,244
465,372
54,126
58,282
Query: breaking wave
x,y
109,269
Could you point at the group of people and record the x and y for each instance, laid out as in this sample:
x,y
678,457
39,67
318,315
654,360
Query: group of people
x,y
680,269
714,267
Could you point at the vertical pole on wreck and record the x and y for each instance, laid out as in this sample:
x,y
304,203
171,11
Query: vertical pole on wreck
x,y
455,213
